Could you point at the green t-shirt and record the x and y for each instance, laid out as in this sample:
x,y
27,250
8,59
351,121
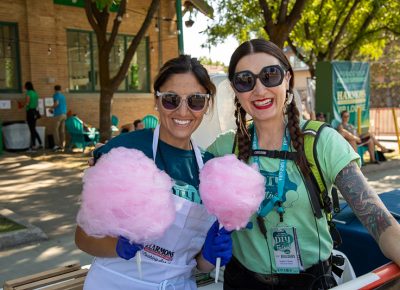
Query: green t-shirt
x,y
249,246
33,100
181,165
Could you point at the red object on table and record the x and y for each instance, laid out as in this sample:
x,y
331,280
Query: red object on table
x,y
386,273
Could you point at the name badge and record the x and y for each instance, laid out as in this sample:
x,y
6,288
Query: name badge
x,y
286,250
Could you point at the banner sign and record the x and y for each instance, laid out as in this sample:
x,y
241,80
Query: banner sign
x,y
351,90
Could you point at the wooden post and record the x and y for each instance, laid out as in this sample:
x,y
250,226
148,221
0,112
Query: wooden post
x,y
396,127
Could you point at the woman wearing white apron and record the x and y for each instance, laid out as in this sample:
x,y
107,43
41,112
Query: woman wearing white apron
x,y
193,240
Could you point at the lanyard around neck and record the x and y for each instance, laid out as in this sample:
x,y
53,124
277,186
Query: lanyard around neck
x,y
197,153
276,200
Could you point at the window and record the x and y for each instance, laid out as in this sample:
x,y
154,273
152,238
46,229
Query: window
x,y
83,65
9,58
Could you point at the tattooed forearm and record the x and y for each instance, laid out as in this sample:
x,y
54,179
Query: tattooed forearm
x,y
363,200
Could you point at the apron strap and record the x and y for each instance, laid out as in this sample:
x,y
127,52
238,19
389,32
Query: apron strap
x,y
197,153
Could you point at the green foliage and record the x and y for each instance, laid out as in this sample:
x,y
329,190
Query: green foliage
x,y
7,225
385,72
243,26
208,61
327,30
134,71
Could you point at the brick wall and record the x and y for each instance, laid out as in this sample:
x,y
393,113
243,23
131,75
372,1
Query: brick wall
x,y
43,25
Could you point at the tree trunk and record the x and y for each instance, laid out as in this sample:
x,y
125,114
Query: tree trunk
x,y
311,69
106,95
278,35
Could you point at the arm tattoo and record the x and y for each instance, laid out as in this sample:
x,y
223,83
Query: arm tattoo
x,y
364,202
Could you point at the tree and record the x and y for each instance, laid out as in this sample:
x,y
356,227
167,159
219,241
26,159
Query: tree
x,y
270,19
344,30
316,30
98,15
385,78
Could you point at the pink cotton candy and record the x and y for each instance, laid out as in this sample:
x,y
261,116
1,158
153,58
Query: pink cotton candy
x,y
231,190
125,194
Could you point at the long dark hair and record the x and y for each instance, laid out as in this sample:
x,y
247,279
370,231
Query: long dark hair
x,y
184,64
296,135
29,86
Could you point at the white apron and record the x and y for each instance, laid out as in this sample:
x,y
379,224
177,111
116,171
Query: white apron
x,y
168,263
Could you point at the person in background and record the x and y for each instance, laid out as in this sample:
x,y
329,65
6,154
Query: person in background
x,y
138,124
32,114
60,115
349,132
289,247
183,92
320,116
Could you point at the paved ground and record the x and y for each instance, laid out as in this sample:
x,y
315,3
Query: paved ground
x,y
45,191
47,195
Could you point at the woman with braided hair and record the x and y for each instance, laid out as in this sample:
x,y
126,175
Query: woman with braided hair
x,y
289,246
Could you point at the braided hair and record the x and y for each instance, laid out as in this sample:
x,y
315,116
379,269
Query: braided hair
x,y
243,136
293,115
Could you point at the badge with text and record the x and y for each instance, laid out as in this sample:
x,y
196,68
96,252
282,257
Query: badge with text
x,y
286,251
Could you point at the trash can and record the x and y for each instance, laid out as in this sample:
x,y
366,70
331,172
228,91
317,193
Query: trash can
x,y
16,135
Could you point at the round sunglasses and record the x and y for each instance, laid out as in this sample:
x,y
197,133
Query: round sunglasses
x,y
172,101
270,76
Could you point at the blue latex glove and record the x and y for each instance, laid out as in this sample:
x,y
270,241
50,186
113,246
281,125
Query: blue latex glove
x,y
218,244
125,249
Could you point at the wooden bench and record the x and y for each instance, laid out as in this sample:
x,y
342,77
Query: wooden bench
x,y
70,277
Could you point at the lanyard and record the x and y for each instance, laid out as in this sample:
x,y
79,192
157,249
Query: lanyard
x,y
276,200
196,149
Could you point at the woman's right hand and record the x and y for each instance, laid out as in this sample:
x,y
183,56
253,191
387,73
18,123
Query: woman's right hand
x,y
127,250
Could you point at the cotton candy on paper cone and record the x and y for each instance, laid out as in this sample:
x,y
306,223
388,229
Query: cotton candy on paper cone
x,y
231,190
125,194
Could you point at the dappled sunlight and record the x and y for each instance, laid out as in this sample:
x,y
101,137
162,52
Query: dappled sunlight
x,y
44,191
11,165
23,261
20,249
76,251
50,216
50,253
384,181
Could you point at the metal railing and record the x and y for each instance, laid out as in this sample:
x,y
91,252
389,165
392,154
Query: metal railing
x,y
382,121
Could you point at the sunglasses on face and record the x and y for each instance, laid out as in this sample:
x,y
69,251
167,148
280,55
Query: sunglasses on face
x,y
270,76
172,101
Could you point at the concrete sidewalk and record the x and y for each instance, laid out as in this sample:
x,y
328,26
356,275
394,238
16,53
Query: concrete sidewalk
x,y
46,194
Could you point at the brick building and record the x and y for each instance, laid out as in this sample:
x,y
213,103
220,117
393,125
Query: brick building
x,y
50,42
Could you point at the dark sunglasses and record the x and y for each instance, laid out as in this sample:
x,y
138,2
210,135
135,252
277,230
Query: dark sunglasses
x,y
172,101
270,76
